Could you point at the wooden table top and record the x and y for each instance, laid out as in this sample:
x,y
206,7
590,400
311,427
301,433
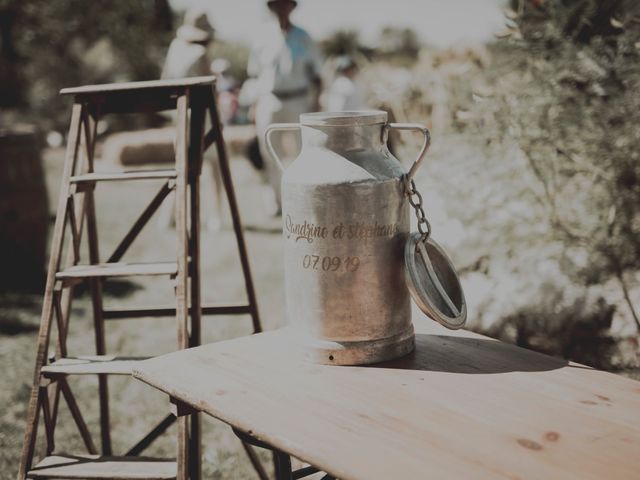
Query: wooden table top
x,y
461,406
145,85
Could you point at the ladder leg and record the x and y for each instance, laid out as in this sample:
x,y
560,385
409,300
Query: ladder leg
x,y
95,285
46,414
98,322
195,165
196,133
33,410
53,390
65,296
182,310
235,212
77,416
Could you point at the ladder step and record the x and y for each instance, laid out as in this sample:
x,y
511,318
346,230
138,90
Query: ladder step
x,y
94,364
120,269
170,311
123,176
95,466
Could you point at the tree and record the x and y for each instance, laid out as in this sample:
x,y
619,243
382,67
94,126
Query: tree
x,y
61,43
344,42
572,105
401,42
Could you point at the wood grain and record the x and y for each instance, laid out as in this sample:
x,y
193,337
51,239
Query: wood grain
x,y
182,281
120,269
92,365
460,406
223,162
112,468
178,83
123,176
33,410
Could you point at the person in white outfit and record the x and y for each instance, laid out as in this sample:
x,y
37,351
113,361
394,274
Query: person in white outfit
x,y
345,92
187,54
188,57
286,64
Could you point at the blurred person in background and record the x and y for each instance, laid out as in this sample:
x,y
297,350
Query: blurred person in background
x,y
346,92
227,90
286,63
187,55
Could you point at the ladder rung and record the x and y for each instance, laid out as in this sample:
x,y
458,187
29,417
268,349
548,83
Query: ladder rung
x,y
122,176
91,365
95,466
168,311
118,270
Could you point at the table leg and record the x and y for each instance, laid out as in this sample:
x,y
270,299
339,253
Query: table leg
x,y
281,460
282,463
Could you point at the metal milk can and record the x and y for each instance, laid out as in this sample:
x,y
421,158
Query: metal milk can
x,y
350,260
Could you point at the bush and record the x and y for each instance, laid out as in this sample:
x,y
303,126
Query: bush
x,y
51,45
568,97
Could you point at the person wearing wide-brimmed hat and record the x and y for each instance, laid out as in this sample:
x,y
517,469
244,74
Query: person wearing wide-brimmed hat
x,y
187,55
287,65
345,92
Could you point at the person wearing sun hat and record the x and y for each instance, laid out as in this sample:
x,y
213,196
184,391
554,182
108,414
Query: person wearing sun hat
x,y
286,64
188,57
187,54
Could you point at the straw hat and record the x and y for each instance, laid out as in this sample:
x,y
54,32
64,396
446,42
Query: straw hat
x,y
195,27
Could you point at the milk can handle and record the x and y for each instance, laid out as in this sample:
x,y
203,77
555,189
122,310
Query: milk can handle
x,y
425,145
267,136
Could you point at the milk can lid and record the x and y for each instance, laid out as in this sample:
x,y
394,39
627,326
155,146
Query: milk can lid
x,y
433,282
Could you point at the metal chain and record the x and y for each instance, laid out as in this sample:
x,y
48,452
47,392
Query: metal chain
x,y
415,199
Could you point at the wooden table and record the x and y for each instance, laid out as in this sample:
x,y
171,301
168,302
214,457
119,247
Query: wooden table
x,y
461,406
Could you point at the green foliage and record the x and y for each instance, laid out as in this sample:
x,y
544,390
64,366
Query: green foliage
x,y
399,42
568,97
66,43
577,331
342,42
398,45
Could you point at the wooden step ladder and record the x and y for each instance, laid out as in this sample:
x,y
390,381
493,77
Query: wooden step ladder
x,y
194,100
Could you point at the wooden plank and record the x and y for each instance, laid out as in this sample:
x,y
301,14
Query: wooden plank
x,y
77,416
92,365
157,431
255,461
196,133
61,349
75,232
461,406
179,409
167,311
46,414
94,466
64,296
140,223
223,161
95,285
146,85
124,176
182,280
120,269
33,410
